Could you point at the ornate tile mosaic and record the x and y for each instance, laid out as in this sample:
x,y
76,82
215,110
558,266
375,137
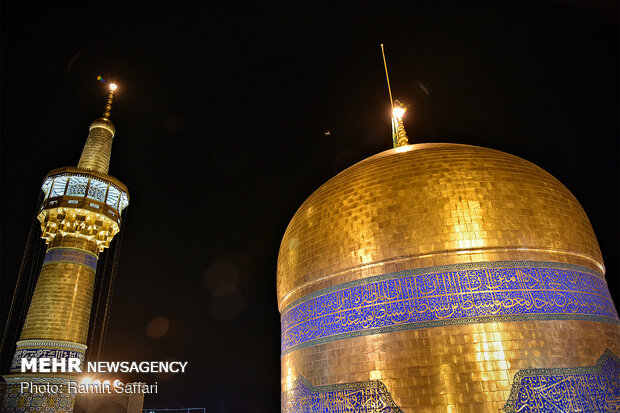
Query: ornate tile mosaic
x,y
407,300
578,389
362,397
60,401
53,349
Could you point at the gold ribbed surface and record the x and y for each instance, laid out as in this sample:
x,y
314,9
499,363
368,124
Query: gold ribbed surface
x,y
426,205
453,368
60,306
98,147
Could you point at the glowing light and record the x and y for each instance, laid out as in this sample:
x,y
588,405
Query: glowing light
x,y
86,380
399,112
100,78
113,86
408,148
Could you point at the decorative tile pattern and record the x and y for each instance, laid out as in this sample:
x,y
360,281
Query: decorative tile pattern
x,y
71,256
58,401
362,397
28,353
406,300
55,349
485,265
579,389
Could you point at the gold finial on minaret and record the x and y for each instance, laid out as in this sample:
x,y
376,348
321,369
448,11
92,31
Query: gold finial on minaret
x,y
400,135
108,105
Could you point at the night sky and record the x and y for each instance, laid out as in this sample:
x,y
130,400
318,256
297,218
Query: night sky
x,y
220,118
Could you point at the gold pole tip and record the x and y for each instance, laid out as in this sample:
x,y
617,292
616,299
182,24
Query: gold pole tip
x,y
398,110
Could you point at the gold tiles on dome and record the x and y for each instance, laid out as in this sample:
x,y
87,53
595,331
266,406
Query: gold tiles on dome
x,y
427,205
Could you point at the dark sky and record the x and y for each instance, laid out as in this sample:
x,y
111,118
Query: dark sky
x,y
220,118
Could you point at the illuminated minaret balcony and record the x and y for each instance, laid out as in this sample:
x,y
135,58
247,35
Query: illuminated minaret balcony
x,y
82,203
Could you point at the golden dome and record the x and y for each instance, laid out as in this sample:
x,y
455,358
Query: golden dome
x,y
427,205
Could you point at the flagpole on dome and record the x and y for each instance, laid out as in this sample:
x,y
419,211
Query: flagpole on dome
x,y
399,135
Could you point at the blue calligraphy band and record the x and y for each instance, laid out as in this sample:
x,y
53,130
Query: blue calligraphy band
x,y
569,389
71,256
347,397
457,294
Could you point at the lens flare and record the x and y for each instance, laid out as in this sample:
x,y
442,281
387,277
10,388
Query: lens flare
x,y
399,112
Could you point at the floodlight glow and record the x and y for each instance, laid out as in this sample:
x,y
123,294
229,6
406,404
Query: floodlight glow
x,y
399,112
113,86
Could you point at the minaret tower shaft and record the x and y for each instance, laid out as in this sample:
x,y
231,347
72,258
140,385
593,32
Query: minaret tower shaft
x,y
80,215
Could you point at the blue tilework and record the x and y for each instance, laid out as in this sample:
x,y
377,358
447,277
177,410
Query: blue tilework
x,y
361,397
52,353
578,389
17,401
406,300
71,256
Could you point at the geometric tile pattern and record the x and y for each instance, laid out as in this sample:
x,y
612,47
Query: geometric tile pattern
x,y
60,401
578,389
362,397
460,294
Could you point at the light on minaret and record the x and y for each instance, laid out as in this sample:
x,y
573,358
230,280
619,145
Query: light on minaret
x,y
80,215
398,111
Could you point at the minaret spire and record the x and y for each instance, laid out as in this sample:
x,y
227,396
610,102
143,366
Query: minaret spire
x,y
108,106
98,146
399,136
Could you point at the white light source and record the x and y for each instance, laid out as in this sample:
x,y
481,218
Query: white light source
x,y
399,112
113,86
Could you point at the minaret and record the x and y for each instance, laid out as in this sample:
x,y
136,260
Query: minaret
x,y
79,216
